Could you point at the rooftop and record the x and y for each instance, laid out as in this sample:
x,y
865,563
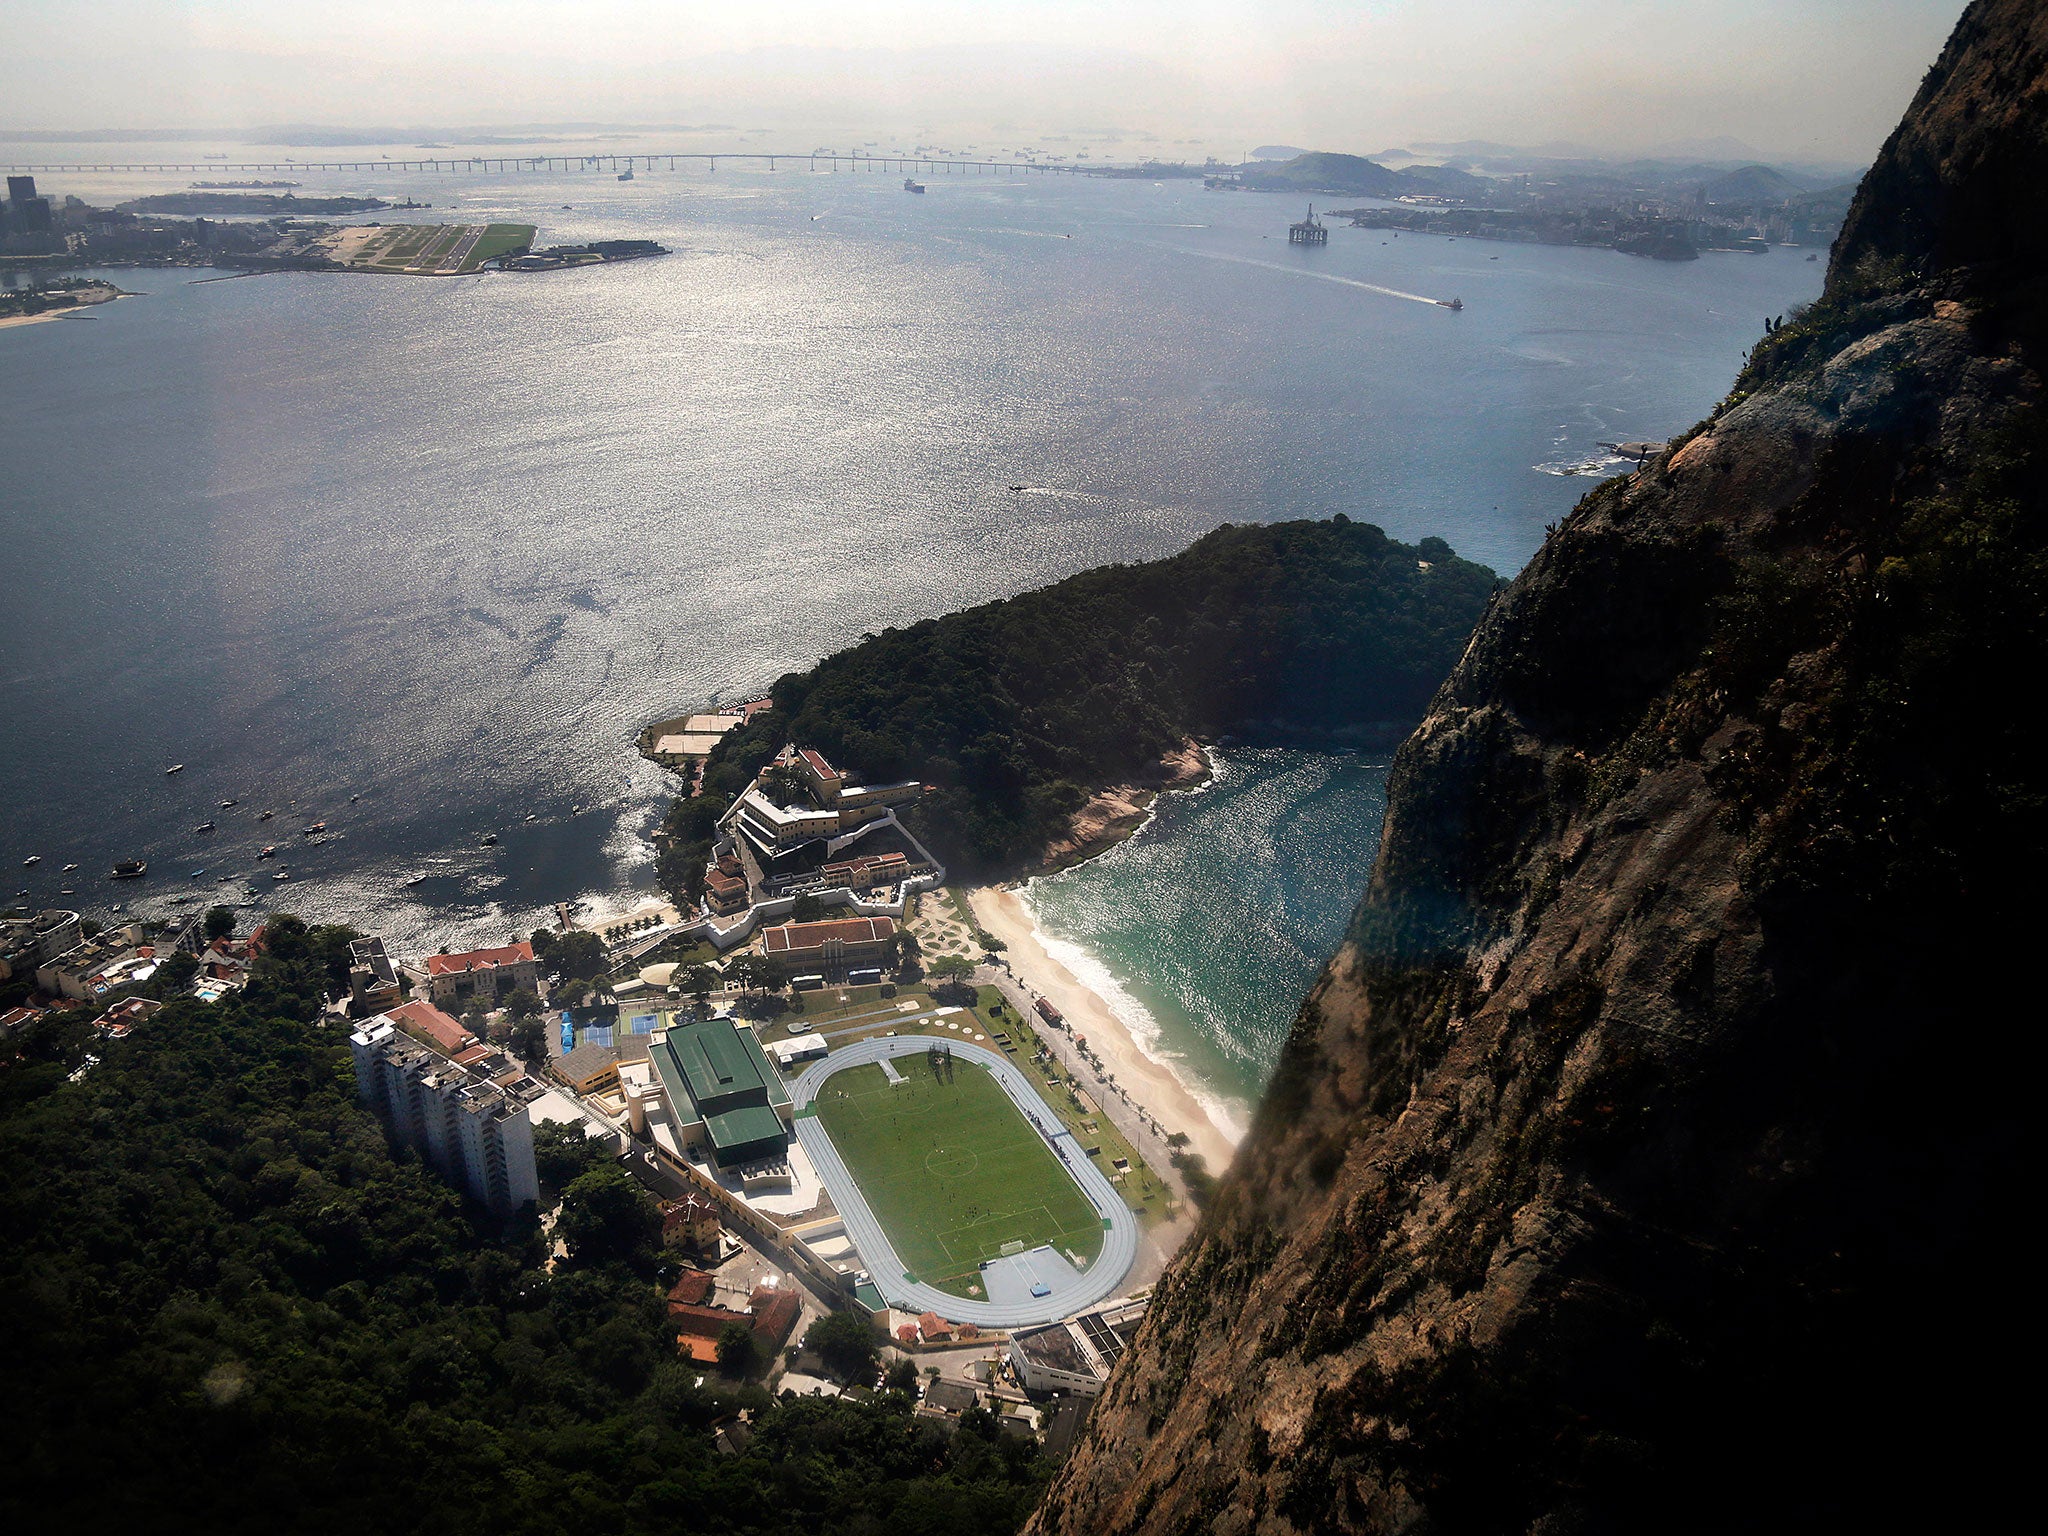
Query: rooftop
x,y
715,1071
794,937
479,959
423,1018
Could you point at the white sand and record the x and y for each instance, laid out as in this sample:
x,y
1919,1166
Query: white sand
x,y
1153,1084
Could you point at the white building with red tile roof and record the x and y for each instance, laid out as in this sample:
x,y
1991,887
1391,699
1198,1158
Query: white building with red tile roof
x,y
487,973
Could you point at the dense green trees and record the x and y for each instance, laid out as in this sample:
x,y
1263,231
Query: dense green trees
x,y
607,1218
577,955
225,1304
847,1345
1013,712
562,1153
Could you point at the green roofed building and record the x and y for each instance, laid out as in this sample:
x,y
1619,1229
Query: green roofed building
x,y
722,1094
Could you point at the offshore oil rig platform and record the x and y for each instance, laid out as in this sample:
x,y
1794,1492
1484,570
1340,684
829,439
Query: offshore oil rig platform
x,y
1310,231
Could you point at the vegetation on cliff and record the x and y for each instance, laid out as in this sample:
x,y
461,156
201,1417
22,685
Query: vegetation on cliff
x,y
226,1305
1014,712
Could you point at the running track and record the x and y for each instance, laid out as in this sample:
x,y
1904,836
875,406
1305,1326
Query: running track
x,y
1098,1282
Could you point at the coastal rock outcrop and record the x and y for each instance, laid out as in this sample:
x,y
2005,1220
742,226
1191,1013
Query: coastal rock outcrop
x,y
1650,1157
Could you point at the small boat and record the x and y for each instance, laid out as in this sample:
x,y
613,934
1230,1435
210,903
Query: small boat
x,y
282,874
415,880
67,891
626,174
34,858
130,869
174,768
195,874
204,826
316,829
912,184
352,799
69,867
489,840
1451,303
532,818
266,816
268,853
229,805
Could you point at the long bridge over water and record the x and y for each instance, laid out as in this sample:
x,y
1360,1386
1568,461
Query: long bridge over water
x,y
476,165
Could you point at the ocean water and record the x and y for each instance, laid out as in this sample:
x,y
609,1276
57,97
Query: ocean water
x,y
1204,930
418,557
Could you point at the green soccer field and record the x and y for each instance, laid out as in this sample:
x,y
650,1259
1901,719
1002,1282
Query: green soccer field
x,y
952,1171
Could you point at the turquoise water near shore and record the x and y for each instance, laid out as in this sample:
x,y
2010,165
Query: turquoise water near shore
x,y
1204,930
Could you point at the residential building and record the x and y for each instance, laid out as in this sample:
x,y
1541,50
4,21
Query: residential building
x,y
491,974
474,1132
1076,1355
36,938
373,983
863,874
118,1020
725,884
772,1310
832,946
17,1018
109,960
693,1225
948,1399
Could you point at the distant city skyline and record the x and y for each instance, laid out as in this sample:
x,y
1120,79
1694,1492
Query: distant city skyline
x,y
1815,81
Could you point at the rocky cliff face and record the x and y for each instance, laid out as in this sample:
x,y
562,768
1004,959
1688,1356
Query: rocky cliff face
x,y
1650,1157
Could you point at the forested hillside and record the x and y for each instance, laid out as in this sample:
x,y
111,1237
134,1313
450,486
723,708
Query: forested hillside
x,y
224,1305
1015,711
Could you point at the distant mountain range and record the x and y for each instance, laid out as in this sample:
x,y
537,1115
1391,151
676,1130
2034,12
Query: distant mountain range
x,y
1319,171
1360,175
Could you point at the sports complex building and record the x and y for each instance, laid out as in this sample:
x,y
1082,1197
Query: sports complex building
x,y
722,1095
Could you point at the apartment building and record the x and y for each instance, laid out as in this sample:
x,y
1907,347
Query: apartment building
x,y
474,1132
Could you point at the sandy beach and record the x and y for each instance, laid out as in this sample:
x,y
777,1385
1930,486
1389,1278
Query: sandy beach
x,y
1150,1082
7,322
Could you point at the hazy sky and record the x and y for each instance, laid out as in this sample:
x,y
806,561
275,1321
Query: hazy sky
x,y
1812,79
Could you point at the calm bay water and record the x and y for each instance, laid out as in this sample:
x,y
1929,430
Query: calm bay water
x,y
445,545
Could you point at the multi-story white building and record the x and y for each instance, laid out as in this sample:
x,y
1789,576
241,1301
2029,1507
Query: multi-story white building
x,y
472,1131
